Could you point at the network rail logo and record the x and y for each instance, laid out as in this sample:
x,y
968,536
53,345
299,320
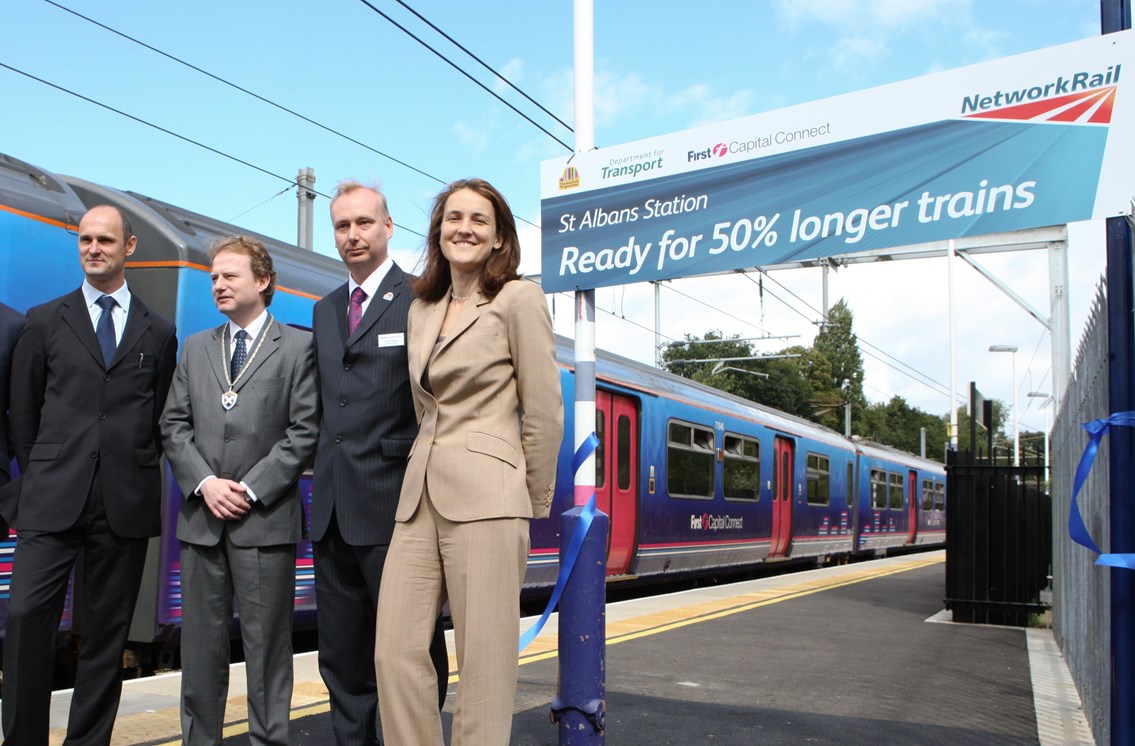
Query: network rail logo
x,y
1083,97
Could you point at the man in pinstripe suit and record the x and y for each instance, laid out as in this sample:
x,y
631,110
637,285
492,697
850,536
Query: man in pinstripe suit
x,y
364,439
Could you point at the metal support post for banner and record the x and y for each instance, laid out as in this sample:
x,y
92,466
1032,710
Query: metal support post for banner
x,y
580,707
1121,398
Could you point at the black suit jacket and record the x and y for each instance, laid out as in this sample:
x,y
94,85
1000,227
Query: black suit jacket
x,y
368,413
11,322
70,412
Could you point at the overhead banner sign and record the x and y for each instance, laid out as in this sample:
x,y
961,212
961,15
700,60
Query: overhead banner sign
x,y
1043,138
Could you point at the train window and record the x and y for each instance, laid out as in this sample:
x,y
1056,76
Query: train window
x,y
896,491
927,494
623,457
742,468
601,451
819,481
939,496
689,461
878,489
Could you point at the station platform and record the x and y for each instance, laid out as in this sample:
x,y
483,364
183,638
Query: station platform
x,y
856,654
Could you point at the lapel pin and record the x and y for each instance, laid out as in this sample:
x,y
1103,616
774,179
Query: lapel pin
x,y
388,296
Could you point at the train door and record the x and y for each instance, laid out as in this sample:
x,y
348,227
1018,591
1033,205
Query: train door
x,y
912,511
616,475
783,489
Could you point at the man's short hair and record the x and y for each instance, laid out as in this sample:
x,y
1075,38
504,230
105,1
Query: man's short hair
x,y
350,185
258,256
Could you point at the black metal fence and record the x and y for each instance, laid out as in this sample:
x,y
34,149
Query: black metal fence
x,y
998,540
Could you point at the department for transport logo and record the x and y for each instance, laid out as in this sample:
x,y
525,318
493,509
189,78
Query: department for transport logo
x,y
1082,98
569,179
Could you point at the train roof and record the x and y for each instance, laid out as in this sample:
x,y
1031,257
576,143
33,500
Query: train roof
x,y
170,234
646,378
881,450
28,189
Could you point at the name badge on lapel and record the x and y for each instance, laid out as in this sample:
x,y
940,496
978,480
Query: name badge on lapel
x,y
392,340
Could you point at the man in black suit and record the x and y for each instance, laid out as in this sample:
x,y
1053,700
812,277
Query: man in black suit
x,y
11,322
90,374
365,436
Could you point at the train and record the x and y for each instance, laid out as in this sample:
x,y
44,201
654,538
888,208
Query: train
x,y
695,481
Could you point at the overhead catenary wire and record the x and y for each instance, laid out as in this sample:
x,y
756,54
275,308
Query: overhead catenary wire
x,y
248,92
272,103
169,132
485,65
459,69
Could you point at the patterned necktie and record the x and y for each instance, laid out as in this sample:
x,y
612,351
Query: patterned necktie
x,y
240,352
104,330
355,310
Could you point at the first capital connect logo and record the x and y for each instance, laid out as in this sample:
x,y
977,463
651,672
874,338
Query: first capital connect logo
x,y
720,150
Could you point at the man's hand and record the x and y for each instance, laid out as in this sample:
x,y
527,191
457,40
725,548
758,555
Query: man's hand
x,y
225,499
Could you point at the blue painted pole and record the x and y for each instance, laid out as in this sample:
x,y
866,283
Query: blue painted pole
x,y
1115,15
1121,345
580,709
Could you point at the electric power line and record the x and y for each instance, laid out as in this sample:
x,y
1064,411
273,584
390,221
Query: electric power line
x,y
483,64
170,132
458,68
246,91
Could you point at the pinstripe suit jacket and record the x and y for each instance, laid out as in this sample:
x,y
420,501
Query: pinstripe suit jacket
x,y
490,432
368,413
266,440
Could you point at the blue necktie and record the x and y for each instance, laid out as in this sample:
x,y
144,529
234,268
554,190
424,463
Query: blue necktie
x,y
105,329
240,352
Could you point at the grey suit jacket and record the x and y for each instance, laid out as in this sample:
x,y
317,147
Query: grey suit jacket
x,y
491,430
266,440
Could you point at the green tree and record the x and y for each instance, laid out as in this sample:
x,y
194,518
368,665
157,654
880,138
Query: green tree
x,y
837,371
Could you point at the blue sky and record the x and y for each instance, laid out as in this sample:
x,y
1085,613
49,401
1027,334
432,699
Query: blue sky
x,y
661,66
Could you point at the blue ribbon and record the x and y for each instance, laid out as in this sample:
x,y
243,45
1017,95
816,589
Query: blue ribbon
x,y
567,562
1076,528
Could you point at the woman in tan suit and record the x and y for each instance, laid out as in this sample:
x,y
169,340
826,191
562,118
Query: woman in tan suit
x,y
487,395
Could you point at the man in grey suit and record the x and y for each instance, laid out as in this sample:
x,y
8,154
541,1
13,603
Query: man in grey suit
x,y
239,428
368,427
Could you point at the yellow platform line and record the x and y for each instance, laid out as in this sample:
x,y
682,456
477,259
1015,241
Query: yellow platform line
x,y
625,630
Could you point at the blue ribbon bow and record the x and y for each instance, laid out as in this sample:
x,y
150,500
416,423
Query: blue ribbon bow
x,y
567,562
1076,528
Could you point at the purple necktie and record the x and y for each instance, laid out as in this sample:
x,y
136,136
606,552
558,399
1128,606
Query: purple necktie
x,y
355,310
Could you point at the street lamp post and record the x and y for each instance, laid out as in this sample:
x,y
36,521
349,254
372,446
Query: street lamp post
x,y
1046,406
1016,423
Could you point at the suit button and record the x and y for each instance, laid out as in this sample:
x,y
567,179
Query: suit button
x,y
338,438
228,439
94,454
342,402
102,415
106,378
430,440
346,366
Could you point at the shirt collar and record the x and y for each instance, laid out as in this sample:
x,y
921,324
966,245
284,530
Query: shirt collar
x,y
371,283
121,296
253,329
